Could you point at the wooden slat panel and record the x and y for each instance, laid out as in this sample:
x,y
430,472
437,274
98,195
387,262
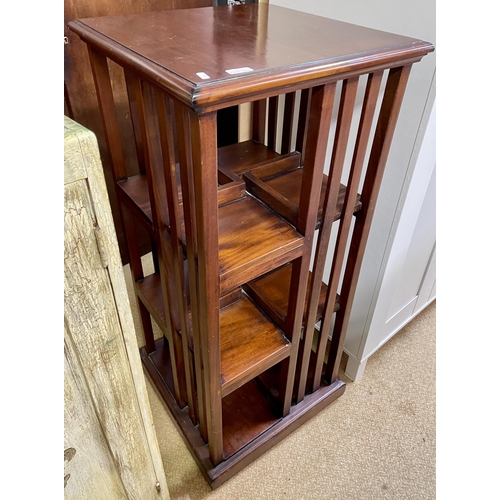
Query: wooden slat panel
x,y
347,101
365,126
165,115
391,105
136,112
314,158
305,96
160,213
259,109
250,344
108,112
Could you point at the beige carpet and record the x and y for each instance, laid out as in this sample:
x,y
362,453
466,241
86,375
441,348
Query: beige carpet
x,y
377,441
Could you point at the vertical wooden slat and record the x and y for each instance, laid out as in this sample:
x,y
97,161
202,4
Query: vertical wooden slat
x,y
159,210
136,112
389,112
204,148
104,93
272,122
259,120
136,105
286,138
347,101
305,96
318,126
186,170
165,118
317,139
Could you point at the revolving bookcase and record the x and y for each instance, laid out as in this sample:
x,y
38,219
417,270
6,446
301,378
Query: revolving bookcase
x,y
241,233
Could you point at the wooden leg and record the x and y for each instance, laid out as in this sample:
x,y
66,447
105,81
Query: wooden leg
x,y
204,148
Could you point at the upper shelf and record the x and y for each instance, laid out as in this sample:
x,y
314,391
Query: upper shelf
x,y
275,179
213,57
252,239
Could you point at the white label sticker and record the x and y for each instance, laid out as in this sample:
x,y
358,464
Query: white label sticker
x,y
203,76
237,71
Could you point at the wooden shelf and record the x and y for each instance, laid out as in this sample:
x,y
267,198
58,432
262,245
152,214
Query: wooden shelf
x,y
249,344
271,293
281,191
246,414
236,159
273,178
252,239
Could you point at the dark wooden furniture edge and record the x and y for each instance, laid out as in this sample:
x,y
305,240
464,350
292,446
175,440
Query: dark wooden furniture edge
x,y
207,97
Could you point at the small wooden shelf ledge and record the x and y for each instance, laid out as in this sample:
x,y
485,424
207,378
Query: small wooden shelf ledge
x,y
250,344
271,292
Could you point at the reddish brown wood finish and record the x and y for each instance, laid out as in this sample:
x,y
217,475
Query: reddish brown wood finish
x,y
250,344
232,228
366,120
270,293
386,124
347,102
265,429
242,157
169,269
327,53
80,97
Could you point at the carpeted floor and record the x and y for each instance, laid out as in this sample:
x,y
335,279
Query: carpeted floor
x,y
377,441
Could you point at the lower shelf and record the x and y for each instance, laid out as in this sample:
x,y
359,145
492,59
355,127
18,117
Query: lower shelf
x,y
251,426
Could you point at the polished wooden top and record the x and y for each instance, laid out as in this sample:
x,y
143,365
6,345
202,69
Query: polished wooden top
x,y
217,55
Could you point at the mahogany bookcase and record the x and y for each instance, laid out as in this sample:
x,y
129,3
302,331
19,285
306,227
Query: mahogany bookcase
x,y
240,233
